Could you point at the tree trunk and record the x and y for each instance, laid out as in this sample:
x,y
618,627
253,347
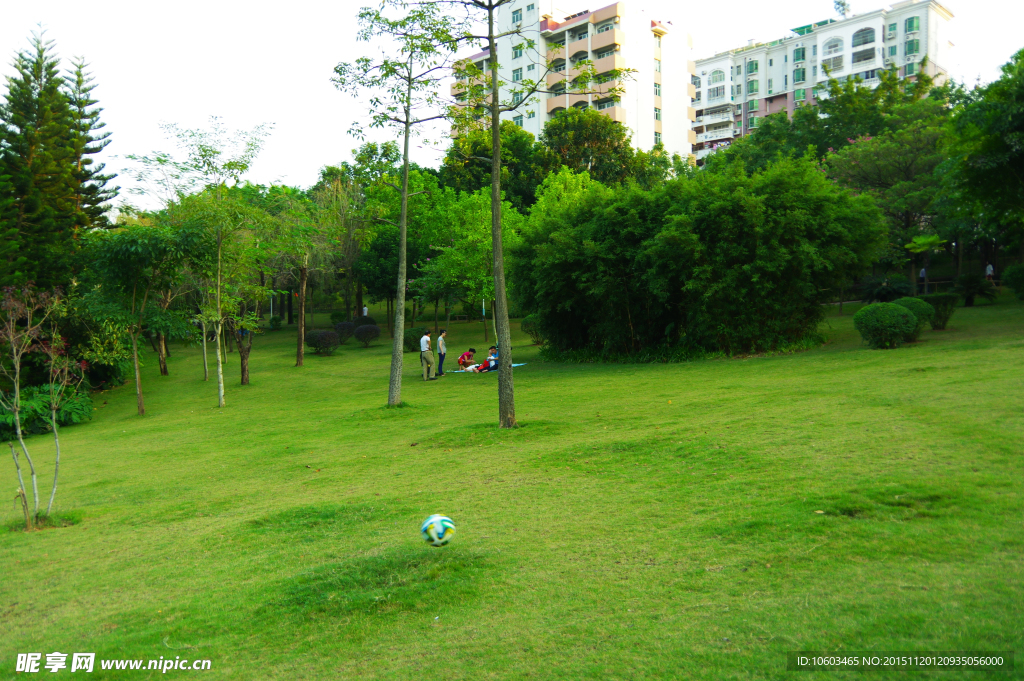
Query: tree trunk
x,y
291,316
506,394
483,318
301,335
56,461
220,365
138,375
31,468
435,317
206,364
913,278
161,352
397,351
21,487
388,307
243,354
359,298
447,313
167,347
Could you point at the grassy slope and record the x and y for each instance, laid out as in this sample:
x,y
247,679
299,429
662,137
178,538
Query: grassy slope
x,y
646,522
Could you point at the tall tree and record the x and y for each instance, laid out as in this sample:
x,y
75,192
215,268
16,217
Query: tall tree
x,y
90,192
406,83
34,154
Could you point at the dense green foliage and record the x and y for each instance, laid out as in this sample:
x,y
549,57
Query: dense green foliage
x,y
344,331
971,286
944,305
885,326
884,289
530,325
75,407
724,262
322,341
411,338
1013,277
923,312
366,334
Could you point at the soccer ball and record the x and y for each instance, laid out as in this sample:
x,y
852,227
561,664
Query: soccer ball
x,y
438,530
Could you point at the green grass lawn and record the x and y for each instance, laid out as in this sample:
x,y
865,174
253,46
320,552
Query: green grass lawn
x,y
684,521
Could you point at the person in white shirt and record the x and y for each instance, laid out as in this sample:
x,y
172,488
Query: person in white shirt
x,y
366,311
426,358
990,272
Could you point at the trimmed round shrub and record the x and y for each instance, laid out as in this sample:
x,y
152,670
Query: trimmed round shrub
x,y
411,338
884,326
339,316
322,341
924,313
1013,277
944,305
366,334
531,327
344,331
276,323
364,321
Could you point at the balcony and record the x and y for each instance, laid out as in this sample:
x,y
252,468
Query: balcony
x,y
555,78
556,52
616,113
578,46
716,117
723,134
691,67
614,62
606,39
691,90
556,102
602,89
610,12
691,113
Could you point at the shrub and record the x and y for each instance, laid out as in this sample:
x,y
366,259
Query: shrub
x,y
276,323
344,331
884,325
1014,278
411,338
884,289
364,321
531,328
944,305
924,313
322,341
366,334
35,411
339,316
971,286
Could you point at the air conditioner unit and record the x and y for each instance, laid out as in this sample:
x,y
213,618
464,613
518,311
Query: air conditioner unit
x,y
891,35
910,59
888,61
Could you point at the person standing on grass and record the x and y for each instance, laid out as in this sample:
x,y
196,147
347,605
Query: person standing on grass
x,y
366,311
442,350
426,357
990,272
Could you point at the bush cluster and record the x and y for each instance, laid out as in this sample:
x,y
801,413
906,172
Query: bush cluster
x,y
366,334
35,411
1013,277
884,289
884,326
322,341
922,311
364,321
276,323
944,305
344,331
411,338
531,327
339,316
713,263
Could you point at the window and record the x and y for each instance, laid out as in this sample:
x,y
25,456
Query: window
x,y
912,47
581,34
518,120
771,62
657,41
864,36
517,16
695,80
799,75
798,54
752,121
517,97
814,50
657,138
657,114
912,24
814,72
833,64
910,70
716,92
752,87
558,68
785,82
833,46
605,53
657,66
752,67
607,26
893,50
892,28
657,89
697,98
752,105
769,86
863,56
601,106
716,77
517,51
799,95
517,75
531,114
785,59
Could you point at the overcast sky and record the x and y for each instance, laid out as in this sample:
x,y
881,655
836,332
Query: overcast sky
x,y
259,62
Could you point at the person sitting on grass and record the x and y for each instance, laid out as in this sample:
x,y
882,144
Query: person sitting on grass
x,y
491,363
466,358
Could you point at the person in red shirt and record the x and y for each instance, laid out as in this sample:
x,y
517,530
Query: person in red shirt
x,y
466,358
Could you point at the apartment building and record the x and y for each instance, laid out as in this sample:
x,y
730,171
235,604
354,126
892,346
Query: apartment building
x,y
736,89
657,102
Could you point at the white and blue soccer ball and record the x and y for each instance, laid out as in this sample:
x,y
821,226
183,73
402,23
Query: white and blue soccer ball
x,y
438,530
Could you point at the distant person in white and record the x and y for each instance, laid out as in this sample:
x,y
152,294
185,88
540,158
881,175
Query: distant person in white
x,y
366,311
990,272
427,358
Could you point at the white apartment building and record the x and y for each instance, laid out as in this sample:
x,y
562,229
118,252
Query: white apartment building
x,y
736,89
656,104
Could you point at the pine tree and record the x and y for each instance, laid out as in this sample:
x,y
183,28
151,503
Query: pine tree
x,y
35,154
92,197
